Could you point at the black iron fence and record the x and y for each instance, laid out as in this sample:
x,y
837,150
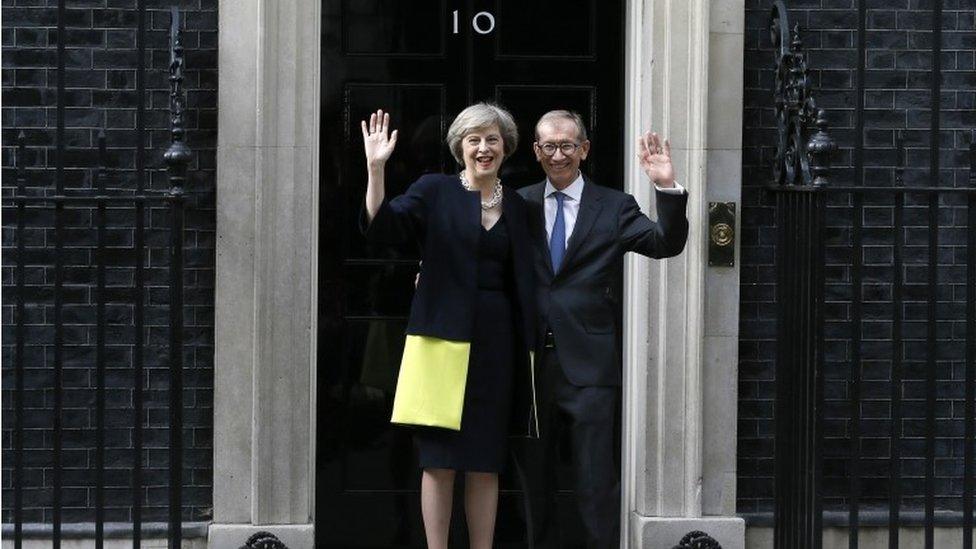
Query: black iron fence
x,y
77,250
907,266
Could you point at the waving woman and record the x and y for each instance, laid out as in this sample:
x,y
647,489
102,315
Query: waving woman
x,y
466,378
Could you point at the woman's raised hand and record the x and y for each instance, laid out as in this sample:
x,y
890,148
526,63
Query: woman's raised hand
x,y
377,139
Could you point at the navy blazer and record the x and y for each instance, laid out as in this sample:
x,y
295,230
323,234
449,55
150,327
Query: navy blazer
x,y
579,304
445,219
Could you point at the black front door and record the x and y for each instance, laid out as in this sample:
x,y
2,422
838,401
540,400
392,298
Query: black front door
x,y
424,61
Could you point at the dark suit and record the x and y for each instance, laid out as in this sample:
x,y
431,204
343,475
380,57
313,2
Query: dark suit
x,y
445,219
580,377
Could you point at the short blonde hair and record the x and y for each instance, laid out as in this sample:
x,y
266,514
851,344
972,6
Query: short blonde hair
x,y
476,117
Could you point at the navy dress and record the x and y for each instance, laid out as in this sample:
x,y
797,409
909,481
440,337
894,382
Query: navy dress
x,y
481,444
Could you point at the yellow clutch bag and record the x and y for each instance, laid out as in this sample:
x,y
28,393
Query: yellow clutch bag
x,y
430,386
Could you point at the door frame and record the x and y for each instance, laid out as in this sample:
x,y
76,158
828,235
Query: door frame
x,y
267,257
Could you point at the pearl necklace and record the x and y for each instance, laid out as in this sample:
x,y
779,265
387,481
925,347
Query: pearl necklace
x,y
496,195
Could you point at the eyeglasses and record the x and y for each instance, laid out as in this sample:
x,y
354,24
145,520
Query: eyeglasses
x,y
566,148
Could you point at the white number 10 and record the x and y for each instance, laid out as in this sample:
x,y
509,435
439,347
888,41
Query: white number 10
x,y
476,22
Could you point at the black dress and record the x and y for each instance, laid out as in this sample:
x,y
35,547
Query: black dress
x,y
481,444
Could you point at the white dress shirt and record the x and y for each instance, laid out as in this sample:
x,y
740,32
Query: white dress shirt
x,y
571,204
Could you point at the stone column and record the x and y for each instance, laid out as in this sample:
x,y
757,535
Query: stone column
x,y
685,81
267,218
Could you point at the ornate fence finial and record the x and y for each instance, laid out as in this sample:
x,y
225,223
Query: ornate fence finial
x,y
972,157
796,110
178,154
900,161
21,162
821,146
797,43
101,169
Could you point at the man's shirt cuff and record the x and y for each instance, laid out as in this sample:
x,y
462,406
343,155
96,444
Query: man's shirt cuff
x,y
677,189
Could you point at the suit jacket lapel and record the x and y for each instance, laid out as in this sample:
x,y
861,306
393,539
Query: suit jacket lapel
x,y
470,222
521,244
538,223
588,212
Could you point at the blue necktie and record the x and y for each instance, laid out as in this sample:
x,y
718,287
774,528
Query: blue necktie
x,y
557,242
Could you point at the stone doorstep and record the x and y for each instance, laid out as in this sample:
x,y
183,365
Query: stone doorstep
x,y
233,536
664,533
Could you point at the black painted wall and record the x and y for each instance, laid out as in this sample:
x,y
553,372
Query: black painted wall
x,y
101,78
897,98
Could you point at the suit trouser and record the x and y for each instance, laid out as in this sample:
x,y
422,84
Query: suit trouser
x,y
587,413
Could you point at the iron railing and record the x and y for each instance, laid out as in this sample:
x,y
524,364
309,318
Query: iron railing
x,y
803,198
101,199
800,174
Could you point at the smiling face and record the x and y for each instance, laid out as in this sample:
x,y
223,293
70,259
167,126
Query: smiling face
x,y
483,150
561,168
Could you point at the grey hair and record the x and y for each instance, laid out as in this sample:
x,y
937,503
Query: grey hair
x,y
476,117
563,115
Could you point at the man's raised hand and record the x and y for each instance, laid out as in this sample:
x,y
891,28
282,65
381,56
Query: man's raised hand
x,y
655,159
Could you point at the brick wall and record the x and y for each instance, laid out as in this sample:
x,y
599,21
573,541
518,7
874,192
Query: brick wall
x,y
101,61
897,99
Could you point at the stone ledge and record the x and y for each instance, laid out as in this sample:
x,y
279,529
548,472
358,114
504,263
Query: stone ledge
x,y
86,530
867,517
666,532
233,536
868,538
